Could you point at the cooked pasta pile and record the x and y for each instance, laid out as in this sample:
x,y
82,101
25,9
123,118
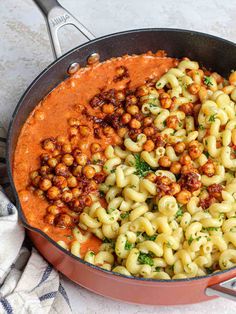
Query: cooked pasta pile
x,y
166,208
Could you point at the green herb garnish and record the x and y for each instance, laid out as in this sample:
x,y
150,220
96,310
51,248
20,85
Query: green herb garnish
x,y
147,237
206,154
201,127
211,228
208,80
128,246
142,168
91,253
212,118
102,194
190,240
144,258
209,270
124,215
158,269
179,212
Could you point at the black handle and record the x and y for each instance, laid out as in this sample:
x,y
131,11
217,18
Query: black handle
x,y
46,5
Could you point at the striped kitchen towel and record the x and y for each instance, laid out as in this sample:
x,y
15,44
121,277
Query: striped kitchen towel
x,y
28,284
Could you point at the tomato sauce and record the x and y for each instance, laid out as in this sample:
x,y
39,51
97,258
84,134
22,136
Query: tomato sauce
x,y
71,99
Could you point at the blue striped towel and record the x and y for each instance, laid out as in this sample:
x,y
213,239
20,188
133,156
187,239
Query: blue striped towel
x,y
28,284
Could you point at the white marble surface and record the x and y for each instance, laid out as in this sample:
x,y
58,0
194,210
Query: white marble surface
x,y
25,51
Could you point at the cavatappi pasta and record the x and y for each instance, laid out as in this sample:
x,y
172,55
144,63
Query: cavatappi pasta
x,y
166,207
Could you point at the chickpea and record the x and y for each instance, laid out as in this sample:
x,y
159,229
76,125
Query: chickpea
x,y
179,147
166,103
120,70
67,196
39,193
44,170
183,197
194,88
108,108
60,182
147,121
64,221
163,180
61,140
61,170
187,109
52,162
49,219
76,192
208,168
89,172
66,148
187,168
48,145
151,177
172,122
86,200
35,181
55,153
175,167
44,157
77,170
81,159
53,209
132,109
195,150
84,130
142,91
33,175
164,95
135,124
72,182
95,147
53,193
93,185
149,131
67,159
232,78
120,111
174,188
164,161
185,159
120,96
149,146
45,184
73,131
108,131
126,117
131,100
121,132
73,122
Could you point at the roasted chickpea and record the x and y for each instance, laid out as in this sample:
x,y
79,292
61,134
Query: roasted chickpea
x,y
147,121
77,170
183,197
92,185
52,162
149,131
187,109
73,122
179,147
195,150
151,177
164,95
89,172
39,193
67,159
108,108
120,111
55,153
61,170
86,200
232,78
172,122
126,118
135,124
166,103
61,139
108,131
120,96
149,146
59,203
53,209
131,100
164,161
142,91
81,159
208,168
73,131
66,148
175,167
76,192
44,170
84,130
95,147
67,196
122,131
60,182
53,193
174,188
185,159
132,109
63,221
188,168
35,181
49,145
49,218
33,175
194,88
72,182
121,70
45,184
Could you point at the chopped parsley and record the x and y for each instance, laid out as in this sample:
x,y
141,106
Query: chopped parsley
x,y
208,81
201,127
124,215
164,123
102,194
128,246
190,240
158,269
142,168
113,170
211,228
168,244
91,253
147,237
110,241
179,213
145,258
159,84
209,270
97,161
212,118
206,154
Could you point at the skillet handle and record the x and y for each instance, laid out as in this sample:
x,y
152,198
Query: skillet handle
x,y
225,289
56,17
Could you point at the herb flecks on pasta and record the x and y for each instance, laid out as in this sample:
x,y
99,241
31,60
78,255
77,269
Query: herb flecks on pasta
x,y
162,200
